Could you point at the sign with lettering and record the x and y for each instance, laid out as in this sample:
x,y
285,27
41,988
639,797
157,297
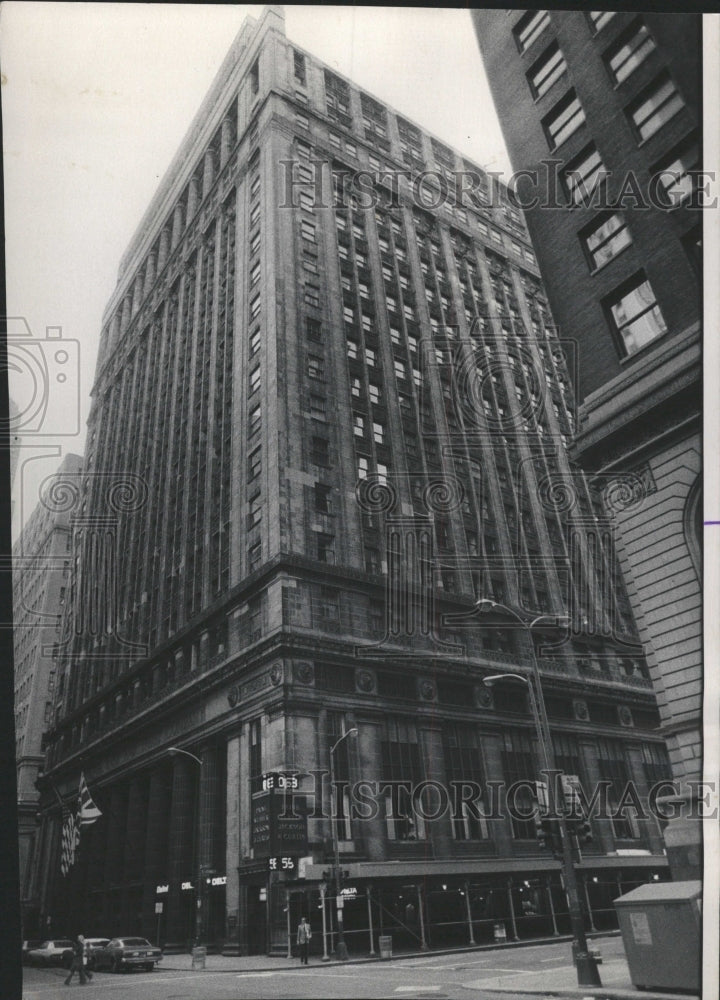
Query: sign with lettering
x,y
282,864
280,781
162,889
278,824
186,885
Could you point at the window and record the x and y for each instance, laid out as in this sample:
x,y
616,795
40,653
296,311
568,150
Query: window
x,y
255,755
600,18
362,467
378,433
605,238
254,215
299,67
374,392
358,425
630,50
255,243
255,274
307,201
547,70
315,366
317,407
674,177
583,175
312,295
326,548
255,307
372,560
635,315
370,356
323,498
463,765
351,148
400,369
613,768
402,765
335,139
313,329
255,510
382,472
519,765
254,344
254,463
657,104
352,349
302,120
530,27
255,379
566,117
355,387
320,451
255,419
302,149
255,78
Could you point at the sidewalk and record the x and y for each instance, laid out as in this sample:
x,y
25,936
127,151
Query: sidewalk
x,y
561,982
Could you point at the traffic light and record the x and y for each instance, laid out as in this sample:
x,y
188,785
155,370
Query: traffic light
x,y
580,827
547,832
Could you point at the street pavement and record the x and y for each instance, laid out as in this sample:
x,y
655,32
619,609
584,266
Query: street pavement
x,y
472,974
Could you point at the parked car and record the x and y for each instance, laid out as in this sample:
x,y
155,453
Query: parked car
x,y
29,946
127,953
92,946
55,952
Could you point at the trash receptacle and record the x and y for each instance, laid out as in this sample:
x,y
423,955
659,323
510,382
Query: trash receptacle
x,y
499,932
199,954
661,926
385,945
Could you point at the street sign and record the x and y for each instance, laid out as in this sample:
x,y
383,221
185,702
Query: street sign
x,y
280,781
158,907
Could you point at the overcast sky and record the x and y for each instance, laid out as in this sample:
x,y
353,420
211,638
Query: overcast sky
x,y
96,98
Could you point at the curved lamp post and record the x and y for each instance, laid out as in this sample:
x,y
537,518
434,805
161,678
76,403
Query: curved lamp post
x,y
341,951
173,752
587,971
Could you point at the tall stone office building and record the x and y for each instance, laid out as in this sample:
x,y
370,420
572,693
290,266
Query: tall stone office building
x,y
319,429
613,98
41,586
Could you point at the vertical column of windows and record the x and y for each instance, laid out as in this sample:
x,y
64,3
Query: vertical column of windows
x,y
253,389
221,468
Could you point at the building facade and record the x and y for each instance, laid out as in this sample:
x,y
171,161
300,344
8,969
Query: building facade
x,y
330,413
611,100
41,577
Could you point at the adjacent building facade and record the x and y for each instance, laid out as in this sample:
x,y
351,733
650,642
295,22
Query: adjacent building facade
x,y
607,105
330,413
42,572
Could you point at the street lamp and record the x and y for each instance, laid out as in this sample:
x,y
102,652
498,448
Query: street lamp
x,y
174,751
587,971
341,948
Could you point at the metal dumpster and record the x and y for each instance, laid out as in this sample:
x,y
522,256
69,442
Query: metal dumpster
x,y
661,926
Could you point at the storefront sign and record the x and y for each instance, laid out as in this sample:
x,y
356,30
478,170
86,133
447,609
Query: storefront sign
x,y
162,889
282,864
186,885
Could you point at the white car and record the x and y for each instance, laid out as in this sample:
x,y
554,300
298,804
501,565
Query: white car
x,y
55,952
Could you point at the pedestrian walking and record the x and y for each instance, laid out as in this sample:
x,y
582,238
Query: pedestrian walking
x,y
304,933
78,961
87,959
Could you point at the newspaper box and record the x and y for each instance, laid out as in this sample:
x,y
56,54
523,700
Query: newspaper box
x,y
385,945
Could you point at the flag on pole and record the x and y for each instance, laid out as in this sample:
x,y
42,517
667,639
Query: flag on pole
x,y
86,813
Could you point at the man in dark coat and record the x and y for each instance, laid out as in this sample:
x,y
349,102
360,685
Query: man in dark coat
x,y
78,961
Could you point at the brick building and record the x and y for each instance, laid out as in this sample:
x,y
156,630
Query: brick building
x,y
41,577
613,99
320,427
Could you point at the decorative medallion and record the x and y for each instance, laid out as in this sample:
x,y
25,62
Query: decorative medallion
x,y
427,690
276,673
365,681
303,672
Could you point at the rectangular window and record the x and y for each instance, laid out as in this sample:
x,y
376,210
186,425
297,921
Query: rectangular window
x,y
255,510
254,556
299,67
583,175
600,18
519,765
302,120
326,548
254,463
629,51
313,329
565,118
323,498
351,148
255,78
315,366
657,104
362,467
378,433
307,201
335,139
303,149
255,244
400,369
318,407
255,274
255,748
254,215
312,295
255,378
635,315
613,768
547,70
320,452
358,425
307,231
352,349
355,387
605,238
463,766
674,175
370,356
254,344
374,392
255,308
255,419
402,766
530,27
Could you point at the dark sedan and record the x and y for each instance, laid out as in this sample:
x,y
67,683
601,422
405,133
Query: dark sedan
x,y
127,953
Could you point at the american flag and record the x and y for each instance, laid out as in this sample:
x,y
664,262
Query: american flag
x,y
86,813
